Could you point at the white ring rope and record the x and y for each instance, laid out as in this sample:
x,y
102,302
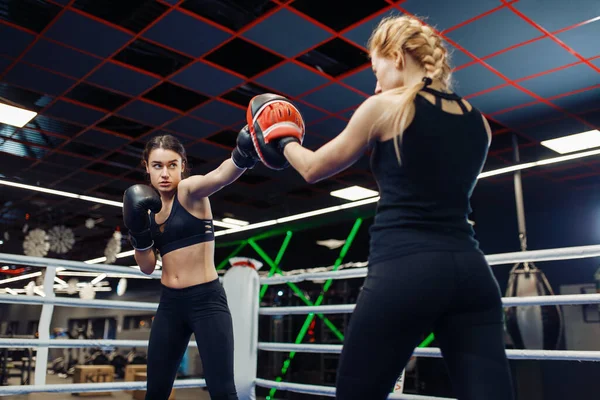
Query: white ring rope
x,y
76,265
70,302
341,308
513,354
565,253
316,276
498,259
330,391
566,299
92,387
76,343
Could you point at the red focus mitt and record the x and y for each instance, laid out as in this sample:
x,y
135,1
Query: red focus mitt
x,y
274,122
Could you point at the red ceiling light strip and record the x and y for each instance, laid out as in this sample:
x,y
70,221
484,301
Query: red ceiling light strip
x,y
116,62
227,71
480,16
238,35
154,42
571,93
337,35
92,71
528,104
33,42
482,92
532,77
551,36
160,81
558,96
513,47
17,27
568,28
550,71
506,79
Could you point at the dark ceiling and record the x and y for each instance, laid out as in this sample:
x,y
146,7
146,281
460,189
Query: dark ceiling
x,y
107,76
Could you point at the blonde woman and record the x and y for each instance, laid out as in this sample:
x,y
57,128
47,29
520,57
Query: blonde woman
x,y
426,271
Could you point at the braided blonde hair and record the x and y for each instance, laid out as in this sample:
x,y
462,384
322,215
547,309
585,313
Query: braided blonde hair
x,y
410,36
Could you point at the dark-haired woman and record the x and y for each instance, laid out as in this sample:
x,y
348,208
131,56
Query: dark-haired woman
x,y
174,218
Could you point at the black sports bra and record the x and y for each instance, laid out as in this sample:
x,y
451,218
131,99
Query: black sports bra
x,y
181,229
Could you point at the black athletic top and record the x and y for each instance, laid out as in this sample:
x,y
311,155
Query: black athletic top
x,y
425,201
181,229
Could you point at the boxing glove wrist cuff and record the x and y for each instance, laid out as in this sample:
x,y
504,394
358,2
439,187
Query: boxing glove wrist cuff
x,y
141,241
241,161
285,141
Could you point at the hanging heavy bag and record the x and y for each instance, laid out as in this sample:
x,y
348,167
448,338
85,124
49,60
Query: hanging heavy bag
x,y
532,327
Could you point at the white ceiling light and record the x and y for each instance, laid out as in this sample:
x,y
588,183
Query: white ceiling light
x,y
234,221
354,193
21,277
554,160
15,116
83,197
326,210
98,279
575,142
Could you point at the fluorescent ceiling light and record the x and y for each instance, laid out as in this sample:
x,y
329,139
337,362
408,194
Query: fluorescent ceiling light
x,y
82,197
548,161
576,142
353,193
351,204
98,279
96,260
376,199
60,281
21,277
15,116
234,221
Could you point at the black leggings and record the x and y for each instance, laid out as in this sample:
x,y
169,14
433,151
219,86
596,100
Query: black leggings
x,y
202,310
453,295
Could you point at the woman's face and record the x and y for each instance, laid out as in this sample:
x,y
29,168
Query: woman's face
x,y
165,168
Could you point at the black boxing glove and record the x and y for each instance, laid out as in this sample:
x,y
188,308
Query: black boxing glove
x,y
137,200
244,155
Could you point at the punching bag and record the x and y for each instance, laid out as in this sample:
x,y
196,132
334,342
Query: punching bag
x,y
532,327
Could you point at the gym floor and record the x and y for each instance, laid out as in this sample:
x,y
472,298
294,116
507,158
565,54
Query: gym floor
x,y
180,394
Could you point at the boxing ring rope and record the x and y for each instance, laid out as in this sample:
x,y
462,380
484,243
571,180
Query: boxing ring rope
x,y
565,299
76,343
49,300
559,254
92,387
68,302
559,355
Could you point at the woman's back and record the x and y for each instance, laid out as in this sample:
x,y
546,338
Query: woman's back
x,y
425,201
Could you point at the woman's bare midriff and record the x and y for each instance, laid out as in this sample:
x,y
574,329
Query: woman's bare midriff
x,y
189,266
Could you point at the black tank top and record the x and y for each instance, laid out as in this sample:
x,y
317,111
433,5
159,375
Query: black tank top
x,y
181,229
425,201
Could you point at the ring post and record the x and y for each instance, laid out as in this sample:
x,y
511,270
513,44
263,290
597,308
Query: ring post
x,y
41,357
242,287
